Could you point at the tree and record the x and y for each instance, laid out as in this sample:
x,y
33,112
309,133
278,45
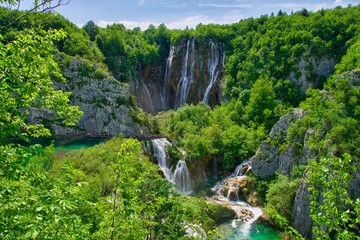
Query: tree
x,y
92,29
261,103
332,210
26,67
39,6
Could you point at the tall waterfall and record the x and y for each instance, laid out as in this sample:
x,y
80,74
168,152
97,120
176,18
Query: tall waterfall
x,y
181,176
187,74
149,95
214,71
165,93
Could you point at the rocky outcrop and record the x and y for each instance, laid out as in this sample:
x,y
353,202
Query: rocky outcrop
x,y
106,103
300,216
269,158
185,77
241,187
312,72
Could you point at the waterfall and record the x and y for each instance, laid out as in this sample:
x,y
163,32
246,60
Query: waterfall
x,y
149,95
165,93
213,66
187,74
242,169
181,176
162,157
227,193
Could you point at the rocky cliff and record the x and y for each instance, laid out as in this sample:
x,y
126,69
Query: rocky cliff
x,y
107,104
192,73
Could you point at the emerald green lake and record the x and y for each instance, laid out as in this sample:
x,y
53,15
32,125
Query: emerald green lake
x,y
69,142
258,231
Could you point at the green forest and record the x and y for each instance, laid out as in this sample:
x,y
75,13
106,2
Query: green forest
x,y
115,190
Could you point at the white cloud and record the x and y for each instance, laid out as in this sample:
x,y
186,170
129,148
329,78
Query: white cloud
x,y
224,5
190,21
338,2
182,5
128,24
297,6
141,2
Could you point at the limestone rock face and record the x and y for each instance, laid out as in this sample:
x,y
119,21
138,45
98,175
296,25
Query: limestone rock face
x,y
300,216
316,69
183,78
268,158
106,103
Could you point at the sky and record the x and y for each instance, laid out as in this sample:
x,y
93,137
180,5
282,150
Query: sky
x,y
179,14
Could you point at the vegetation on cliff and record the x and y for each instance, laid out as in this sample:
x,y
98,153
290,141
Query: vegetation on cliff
x,y
113,191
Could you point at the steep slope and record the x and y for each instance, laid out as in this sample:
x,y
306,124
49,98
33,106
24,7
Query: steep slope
x,y
107,104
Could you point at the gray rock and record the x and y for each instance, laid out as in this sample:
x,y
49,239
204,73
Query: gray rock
x,y
268,158
301,220
106,102
307,67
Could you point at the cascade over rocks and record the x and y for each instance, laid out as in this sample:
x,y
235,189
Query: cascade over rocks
x,y
241,187
191,74
106,103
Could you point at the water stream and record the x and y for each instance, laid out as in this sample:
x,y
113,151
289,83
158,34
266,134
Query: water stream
x,y
214,71
166,88
244,226
187,74
180,176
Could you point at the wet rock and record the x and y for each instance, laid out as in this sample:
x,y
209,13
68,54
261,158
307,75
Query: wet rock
x,y
241,188
245,215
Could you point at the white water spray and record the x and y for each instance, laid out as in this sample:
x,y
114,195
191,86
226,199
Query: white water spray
x,y
165,92
187,74
180,176
213,65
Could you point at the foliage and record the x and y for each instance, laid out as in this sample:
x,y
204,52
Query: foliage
x,y
283,223
26,65
203,132
331,207
32,205
281,194
273,46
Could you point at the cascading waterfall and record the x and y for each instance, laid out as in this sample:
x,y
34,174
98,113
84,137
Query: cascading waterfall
x,y
181,176
165,93
246,214
213,66
242,169
187,74
162,157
